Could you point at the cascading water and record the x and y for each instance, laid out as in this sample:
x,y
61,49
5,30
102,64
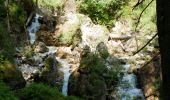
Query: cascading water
x,y
33,28
66,71
127,89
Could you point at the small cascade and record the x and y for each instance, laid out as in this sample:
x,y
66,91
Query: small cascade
x,y
127,88
33,28
66,70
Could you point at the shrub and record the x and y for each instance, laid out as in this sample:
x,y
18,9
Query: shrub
x,y
41,92
51,3
101,11
94,78
5,93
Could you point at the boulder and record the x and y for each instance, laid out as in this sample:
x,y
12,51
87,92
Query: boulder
x,y
46,36
81,86
40,47
87,81
50,73
93,34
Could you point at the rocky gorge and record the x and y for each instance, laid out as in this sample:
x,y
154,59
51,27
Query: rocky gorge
x,y
68,50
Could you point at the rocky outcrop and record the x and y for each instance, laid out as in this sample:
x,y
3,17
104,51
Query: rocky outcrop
x,y
87,81
46,37
149,79
41,66
50,72
81,86
40,47
93,34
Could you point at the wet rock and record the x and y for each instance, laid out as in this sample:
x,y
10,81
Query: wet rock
x,y
40,47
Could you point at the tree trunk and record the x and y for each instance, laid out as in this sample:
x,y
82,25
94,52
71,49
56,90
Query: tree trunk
x,y
163,25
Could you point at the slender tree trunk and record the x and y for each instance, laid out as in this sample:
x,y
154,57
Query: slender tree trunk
x,y
163,25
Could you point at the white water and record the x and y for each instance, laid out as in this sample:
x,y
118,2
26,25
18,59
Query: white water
x,y
66,70
33,28
127,89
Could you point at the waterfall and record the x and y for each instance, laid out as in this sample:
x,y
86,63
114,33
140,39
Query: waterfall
x,y
127,87
33,28
66,70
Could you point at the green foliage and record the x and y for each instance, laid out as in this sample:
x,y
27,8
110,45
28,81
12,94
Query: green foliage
x,y
17,14
2,9
103,50
92,63
48,64
5,42
6,93
102,11
28,52
51,3
39,91
94,77
66,38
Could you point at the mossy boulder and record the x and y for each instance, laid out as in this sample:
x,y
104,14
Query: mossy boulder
x,y
50,73
92,79
10,75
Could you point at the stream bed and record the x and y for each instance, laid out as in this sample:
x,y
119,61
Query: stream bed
x,y
32,29
127,87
